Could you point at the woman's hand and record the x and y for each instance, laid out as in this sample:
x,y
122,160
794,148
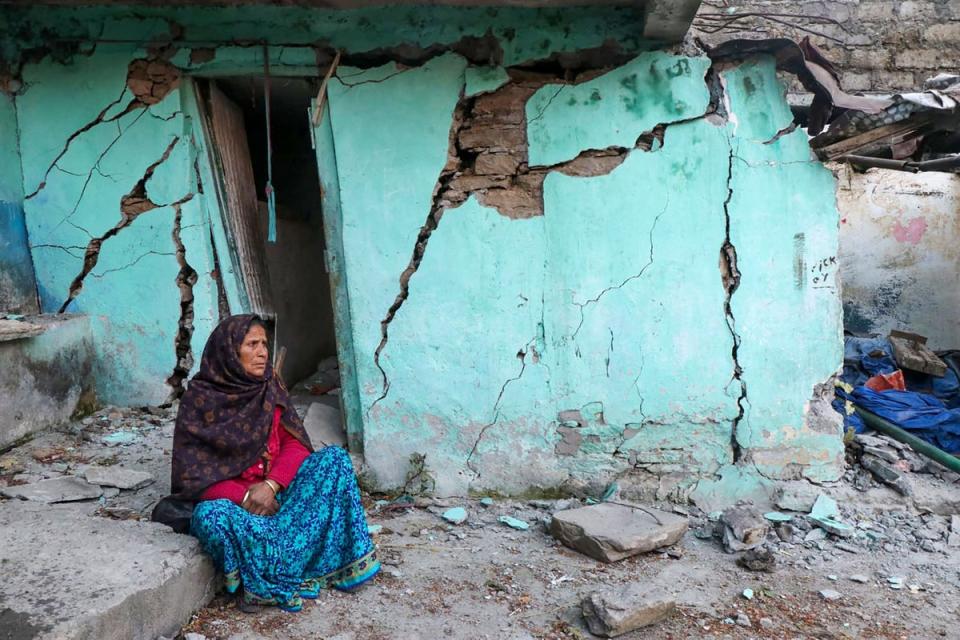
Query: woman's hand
x,y
261,500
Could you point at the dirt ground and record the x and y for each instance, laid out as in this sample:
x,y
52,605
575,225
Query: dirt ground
x,y
482,579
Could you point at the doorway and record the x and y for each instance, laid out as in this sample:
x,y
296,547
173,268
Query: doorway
x,y
291,271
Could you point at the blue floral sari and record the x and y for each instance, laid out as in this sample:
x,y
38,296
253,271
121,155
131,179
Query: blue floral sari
x,y
317,539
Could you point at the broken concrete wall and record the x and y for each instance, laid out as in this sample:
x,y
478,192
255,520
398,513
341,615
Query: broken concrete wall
x,y
118,219
558,257
877,46
45,379
899,255
597,335
111,195
18,288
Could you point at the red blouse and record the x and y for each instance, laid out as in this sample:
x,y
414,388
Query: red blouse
x,y
284,456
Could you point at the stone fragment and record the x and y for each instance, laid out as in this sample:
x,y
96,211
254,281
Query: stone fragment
x,y
884,453
886,474
830,594
835,527
748,594
849,548
784,531
815,535
66,489
758,560
613,613
824,507
611,532
767,623
118,477
487,502
120,438
743,620
10,465
862,579
776,516
514,523
456,515
797,497
743,528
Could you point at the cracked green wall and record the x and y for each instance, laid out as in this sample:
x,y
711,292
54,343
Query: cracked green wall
x,y
581,344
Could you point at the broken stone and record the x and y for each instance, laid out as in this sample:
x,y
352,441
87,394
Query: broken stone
x,y
830,594
66,489
743,620
10,466
862,579
748,594
611,532
118,477
815,535
120,438
886,474
487,502
797,497
743,528
613,613
456,515
834,527
776,516
514,523
824,507
843,546
784,531
758,560
888,455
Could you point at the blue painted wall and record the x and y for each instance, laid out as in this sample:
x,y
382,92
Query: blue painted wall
x,y
18,289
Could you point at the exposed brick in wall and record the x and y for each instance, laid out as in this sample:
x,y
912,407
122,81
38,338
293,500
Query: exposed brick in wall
x,y
879,46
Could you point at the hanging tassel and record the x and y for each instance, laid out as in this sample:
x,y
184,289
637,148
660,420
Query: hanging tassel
x,y
268,189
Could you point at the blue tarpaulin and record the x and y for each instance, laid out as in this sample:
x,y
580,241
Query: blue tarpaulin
x,y
929,408
919,413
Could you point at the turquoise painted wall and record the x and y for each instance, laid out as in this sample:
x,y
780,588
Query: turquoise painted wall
x,y
586,343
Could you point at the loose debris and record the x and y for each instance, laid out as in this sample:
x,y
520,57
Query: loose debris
x,y
613,613
611,532
743,528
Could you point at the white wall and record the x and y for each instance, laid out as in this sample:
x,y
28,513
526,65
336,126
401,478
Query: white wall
x,y
900,252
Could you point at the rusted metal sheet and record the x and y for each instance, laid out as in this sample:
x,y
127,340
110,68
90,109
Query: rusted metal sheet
x,y
239,205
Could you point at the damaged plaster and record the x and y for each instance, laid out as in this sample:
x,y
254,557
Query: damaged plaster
x,y
526,240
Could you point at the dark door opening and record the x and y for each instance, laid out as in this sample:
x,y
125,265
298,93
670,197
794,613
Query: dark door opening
x,y
298,281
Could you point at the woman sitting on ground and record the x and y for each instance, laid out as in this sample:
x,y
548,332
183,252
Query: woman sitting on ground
x,y
278,520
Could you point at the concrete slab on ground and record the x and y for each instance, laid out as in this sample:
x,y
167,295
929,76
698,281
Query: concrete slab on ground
x,y
71,575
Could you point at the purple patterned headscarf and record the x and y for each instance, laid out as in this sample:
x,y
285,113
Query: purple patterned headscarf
x,y
226,415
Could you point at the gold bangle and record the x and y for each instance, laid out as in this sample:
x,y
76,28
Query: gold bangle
x,y
274,485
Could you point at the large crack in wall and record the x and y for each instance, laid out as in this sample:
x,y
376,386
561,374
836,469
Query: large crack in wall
x,y
730,275
488,158
186,279
132,205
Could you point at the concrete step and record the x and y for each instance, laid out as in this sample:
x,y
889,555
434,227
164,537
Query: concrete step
x,y
72,575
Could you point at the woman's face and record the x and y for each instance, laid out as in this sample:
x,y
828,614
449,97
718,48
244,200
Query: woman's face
x,y
254,353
